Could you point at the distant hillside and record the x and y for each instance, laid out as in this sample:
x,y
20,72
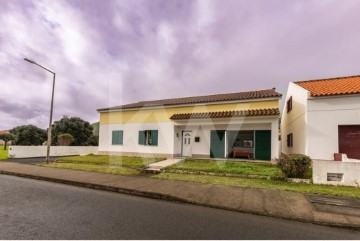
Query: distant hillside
x,y
95,128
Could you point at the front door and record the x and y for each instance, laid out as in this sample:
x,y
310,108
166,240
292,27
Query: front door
x,y
186,143
263,145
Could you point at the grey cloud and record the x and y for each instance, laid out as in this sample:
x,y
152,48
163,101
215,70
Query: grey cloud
x,y
115,52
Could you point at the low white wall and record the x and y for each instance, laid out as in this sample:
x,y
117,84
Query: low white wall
x,y
350,171
40,151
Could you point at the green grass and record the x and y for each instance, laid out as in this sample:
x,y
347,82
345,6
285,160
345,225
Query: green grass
x,y
119,165
343,191
3,153
125,161
247,168
118,170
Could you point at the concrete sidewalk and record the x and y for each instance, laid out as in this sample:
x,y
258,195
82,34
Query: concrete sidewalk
x,y
275,203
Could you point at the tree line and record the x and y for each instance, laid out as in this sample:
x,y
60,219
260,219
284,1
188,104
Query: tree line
x,y
67,131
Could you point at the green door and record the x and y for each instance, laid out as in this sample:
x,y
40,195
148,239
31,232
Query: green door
x,y
263,145
217,144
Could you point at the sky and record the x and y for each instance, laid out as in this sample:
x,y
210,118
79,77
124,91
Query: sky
x,y
108,53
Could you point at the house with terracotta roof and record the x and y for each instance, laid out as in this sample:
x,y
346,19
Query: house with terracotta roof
x,y
234,125
322,118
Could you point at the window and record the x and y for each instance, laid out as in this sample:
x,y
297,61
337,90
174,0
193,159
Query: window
x,y
117,137
289,140
289,104
247,144
148,138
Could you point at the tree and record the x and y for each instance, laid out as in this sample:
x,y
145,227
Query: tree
x,y
6,138
95,137
81,130
28,135
65,139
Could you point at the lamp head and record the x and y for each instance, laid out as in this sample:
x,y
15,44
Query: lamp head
x,y
30,61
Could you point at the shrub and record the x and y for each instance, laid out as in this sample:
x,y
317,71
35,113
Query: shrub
x,y
65,139
294,165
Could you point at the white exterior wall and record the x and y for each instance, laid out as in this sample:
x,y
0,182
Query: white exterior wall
x,y
170,135
40,151
131,138
324,117
295,121
350,171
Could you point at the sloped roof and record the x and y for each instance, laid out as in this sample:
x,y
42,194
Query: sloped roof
x,y
269,93
333,86
226,114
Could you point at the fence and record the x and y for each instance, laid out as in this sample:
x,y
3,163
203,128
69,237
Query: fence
x,y
336,172
40,151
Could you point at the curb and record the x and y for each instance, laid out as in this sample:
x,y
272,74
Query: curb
x,y
168,198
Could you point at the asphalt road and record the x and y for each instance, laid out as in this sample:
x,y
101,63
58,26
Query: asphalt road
x,y
32,209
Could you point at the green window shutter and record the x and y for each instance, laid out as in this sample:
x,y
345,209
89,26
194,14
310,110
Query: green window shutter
x,y
141,137
154,138
117,137
121,137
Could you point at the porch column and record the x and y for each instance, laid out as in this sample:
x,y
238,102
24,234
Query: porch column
x,y
275,139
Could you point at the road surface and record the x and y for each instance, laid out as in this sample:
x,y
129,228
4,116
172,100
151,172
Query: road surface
x,y
32,209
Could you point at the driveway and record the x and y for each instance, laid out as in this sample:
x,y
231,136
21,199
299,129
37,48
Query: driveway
x,y
33,160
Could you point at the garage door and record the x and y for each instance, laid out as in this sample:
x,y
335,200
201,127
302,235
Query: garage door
x,y
349,141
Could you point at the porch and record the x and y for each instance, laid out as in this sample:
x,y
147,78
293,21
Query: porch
x,y
241,138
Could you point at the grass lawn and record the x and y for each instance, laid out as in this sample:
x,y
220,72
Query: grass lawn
x,y
120,165
3,153
343,191
118,170
125,161
248,168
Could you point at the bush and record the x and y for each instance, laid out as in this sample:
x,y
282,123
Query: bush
x,y
294,165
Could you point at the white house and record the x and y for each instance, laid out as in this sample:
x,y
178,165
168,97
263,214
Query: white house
x,y
235,125
321,118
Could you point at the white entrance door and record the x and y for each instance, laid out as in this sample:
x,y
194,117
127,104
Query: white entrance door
x,y
186,143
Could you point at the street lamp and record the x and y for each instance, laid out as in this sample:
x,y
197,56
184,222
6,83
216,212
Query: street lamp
x,y
51,108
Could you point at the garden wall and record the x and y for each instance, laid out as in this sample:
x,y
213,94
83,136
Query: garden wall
x,y
40,151
336,172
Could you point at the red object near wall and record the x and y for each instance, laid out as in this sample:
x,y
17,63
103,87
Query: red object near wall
x,y
337,157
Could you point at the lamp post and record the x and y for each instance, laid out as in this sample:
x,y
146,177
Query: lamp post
x,y
51,108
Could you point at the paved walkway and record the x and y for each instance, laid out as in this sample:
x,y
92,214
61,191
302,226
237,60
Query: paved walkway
x,y
158,166
280,204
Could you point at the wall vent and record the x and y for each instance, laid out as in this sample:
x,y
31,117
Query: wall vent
x,y
335,177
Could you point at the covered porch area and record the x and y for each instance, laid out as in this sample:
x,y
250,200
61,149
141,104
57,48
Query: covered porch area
x,y
250,138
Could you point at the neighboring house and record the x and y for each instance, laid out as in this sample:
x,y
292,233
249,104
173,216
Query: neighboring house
x,y
322,117
235,125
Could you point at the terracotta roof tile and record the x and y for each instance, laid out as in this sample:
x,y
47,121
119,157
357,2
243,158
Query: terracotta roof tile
x,y
270,93
226,114
334,86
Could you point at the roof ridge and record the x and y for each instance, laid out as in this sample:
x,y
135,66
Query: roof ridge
x,y
327,79
255,94
197,96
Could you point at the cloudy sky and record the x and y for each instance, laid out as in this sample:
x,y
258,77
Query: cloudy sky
x,y
109,53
